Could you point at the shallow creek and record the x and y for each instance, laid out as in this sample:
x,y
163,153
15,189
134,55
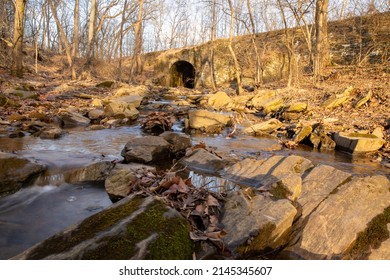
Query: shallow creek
x,y
37,212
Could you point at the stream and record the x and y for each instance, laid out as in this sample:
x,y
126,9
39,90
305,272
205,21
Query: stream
x,y
39,211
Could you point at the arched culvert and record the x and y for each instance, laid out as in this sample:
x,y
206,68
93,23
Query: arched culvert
x,y
182,73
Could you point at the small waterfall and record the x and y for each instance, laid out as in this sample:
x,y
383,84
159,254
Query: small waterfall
x,y
50,180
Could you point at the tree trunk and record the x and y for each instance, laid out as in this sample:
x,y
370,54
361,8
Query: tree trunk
x,y
258,75
136,65
17,53
64,41
91,32
121,41
75,43
233,54
321,47
212,54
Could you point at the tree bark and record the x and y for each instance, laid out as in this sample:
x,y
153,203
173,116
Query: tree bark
x,y
321,47
136,64
121,41
91,32
258,75
212,53
64,41
75,41
17,53
233,54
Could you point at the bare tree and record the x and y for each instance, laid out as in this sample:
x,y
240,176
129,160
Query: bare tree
x,y
76,23
17,53
91,32
259,71
233,54
321,47
135,67
64,40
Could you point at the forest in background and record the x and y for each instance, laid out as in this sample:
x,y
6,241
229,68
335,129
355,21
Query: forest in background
x,y
109,30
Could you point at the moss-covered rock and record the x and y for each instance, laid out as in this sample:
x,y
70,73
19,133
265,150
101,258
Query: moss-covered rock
x,y
256,224
137,227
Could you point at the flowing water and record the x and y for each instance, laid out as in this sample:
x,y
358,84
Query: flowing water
x,y
36,212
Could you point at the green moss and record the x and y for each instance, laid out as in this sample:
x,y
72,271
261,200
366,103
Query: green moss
x,y
86,230
172,241
360,135
371,238
279,191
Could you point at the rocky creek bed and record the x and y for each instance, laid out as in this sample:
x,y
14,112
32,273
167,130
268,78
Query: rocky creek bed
x,y
281,200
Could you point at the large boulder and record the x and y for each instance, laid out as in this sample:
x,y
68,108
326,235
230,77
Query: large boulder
x,y
16,171
123,179
256,224
342,224
203,119
147,149
358,143
135,228
73,119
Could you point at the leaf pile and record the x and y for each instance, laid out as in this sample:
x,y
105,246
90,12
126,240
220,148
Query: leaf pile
x,y
201,207
157,122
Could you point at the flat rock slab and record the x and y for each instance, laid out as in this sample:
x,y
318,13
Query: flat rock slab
x,y
333,227
15,171
256,173
136,228
358,143
255,223
318,185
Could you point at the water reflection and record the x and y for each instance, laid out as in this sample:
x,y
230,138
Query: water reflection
x,y
212,183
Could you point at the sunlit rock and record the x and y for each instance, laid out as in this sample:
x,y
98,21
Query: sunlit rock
x,y
256,224
333,228
358,143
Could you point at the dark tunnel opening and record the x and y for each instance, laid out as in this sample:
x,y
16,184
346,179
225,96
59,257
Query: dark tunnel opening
x,y
182,73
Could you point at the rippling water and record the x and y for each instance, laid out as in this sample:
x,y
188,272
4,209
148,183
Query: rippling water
x,y
35,213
